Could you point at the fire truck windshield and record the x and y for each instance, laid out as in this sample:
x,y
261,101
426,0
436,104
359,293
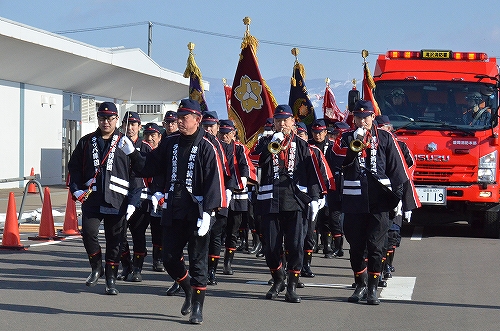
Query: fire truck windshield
x,y
438,105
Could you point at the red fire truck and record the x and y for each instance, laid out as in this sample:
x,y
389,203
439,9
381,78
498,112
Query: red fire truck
x,y
444,105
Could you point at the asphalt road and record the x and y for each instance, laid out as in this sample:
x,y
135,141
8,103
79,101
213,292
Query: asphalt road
x,y
454,272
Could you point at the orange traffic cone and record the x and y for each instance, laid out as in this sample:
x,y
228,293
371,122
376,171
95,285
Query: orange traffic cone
x,y
11,238
70,227
47,230
31,186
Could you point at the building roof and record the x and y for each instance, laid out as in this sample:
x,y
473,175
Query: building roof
x,y
34,56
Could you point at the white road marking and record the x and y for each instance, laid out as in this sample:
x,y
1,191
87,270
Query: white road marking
x,y
417,233
398,288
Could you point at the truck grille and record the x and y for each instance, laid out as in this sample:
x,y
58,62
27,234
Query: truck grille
x,y
443,174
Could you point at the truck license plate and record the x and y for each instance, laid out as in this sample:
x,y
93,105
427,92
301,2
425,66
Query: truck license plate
x,y
431,195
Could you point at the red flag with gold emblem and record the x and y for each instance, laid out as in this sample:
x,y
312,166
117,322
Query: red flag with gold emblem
x,y
331,111
252,102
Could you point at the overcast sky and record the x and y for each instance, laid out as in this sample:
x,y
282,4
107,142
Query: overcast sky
x,y
330,34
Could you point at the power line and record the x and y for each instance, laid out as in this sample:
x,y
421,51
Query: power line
x,y
215,34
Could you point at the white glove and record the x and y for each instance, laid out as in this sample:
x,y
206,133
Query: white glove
x,y
126,145
321,203
229,196
314,206
203,224
359,132
407,216
130,211
244,181
80,195
399,209
157,199
278,136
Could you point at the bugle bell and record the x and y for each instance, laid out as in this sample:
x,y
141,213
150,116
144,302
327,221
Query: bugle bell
x,y
275,147
357,145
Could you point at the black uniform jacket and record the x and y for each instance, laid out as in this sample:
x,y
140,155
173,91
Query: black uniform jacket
x,y
111,183
207,178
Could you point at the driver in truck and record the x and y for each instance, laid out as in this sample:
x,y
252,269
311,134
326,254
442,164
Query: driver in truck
x,y
477,113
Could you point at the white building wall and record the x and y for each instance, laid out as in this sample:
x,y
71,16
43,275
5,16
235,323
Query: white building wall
x,y
43,133
9,149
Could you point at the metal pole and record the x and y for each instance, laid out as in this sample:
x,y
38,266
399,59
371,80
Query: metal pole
x,y
150,37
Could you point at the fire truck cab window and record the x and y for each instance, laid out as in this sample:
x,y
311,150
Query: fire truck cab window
x,y
438,105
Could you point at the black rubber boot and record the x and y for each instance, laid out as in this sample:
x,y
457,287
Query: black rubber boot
x,y
326,238
197,303
126,262
243,235
174,289
185,284
360,280
138,262
371,296
260,252
291,294
212,269
158,259
338,243
256,243
306,266
390,259
228,260
111,272
278,285
97,269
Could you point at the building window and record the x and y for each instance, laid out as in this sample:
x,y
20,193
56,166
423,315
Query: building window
x,y
149,109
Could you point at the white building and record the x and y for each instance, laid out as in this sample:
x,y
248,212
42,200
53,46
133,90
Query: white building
x,y
51,86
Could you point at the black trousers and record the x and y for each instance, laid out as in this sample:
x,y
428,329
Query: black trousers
x,y
234,219
138,224
366,231
309,232
175,237
284,227
113,232
216,235
156,232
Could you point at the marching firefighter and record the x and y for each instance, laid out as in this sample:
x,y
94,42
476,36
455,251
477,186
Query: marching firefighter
x,y
194,191
373,177
99,179
288,186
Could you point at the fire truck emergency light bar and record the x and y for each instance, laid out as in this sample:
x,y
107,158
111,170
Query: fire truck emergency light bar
x,y
437,55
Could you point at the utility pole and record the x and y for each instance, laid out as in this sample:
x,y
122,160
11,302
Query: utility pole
x,y
150,37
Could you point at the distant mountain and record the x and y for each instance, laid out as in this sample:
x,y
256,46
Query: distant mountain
x,y
280,87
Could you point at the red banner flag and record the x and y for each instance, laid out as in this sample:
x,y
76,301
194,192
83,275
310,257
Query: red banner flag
x,y
368,86
228,92
252,102
331,111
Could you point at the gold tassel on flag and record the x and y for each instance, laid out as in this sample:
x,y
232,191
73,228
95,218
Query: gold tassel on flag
x,y
369,84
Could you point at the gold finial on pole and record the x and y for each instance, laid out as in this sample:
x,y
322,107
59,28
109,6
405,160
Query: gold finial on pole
x,y
247,22
327,81
354,81
364,54
190,46
224,81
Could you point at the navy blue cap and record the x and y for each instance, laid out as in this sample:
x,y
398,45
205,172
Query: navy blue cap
x,y
107,109
341,126
363,108
269,124
301,127
210,118
170,116
318,125
131,117
382,120
152,128
189,106
283,111
331,130
226,126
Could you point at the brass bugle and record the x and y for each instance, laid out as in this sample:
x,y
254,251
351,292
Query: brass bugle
x,y
357,145
274,147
